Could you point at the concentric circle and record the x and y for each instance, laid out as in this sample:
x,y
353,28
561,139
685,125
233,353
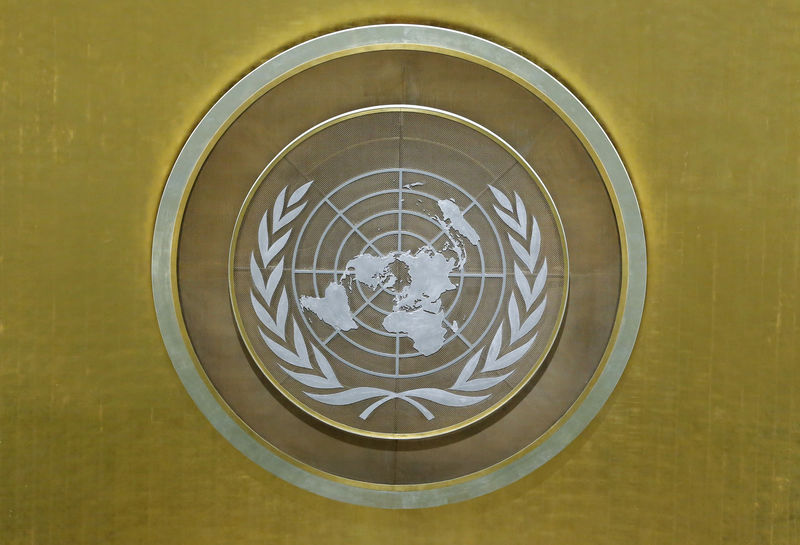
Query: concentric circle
x,y
321,272
260,408
400,279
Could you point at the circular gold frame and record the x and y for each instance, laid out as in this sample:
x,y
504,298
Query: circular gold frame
x,y
415,109
420,38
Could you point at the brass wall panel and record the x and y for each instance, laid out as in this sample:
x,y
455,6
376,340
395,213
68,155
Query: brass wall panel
x,y
99,442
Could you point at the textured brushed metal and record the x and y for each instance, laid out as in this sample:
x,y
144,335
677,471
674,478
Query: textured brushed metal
x,y
411,36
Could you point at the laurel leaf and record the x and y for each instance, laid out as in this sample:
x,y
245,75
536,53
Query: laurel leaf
x,y
369,410
258,278
280,316
276,248
478,384
348,397
326,368
501,198
263,315
312,381
300,346
540,281
288,218
442,397
530,321
277,210
536,241
272,282
513,319
522,214
511,222
494,350
299,193
284,353
464,383
512,357
469,368
263,239
522,253
522,286
419,406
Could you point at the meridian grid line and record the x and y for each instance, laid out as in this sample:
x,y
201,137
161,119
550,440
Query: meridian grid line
x,y
458,334
336,270
340,214
399,219
463,212
399,247
344,272
361,308
461,275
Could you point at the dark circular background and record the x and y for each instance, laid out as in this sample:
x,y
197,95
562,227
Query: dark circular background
x,y
431,148
400,77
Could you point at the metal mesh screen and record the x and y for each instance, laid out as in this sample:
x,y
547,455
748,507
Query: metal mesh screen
x,y
395,77
399,202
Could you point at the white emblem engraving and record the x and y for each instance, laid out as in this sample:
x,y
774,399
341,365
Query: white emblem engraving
x,y
417,310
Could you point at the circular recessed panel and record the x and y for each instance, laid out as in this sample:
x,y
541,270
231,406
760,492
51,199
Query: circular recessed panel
x,y
409,278
361,273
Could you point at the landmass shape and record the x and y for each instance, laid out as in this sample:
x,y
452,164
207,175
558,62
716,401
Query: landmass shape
x,y
417,310
333,308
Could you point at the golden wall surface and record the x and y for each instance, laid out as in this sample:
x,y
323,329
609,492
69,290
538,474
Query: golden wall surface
x,y
100,443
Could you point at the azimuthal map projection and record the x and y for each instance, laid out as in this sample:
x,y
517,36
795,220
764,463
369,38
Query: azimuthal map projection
x,y
399,266
398,272
417,310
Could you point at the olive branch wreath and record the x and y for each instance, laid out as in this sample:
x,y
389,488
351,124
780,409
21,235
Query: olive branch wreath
x,y
321,376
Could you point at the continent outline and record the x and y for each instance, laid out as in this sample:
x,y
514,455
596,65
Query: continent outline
x,y
295,354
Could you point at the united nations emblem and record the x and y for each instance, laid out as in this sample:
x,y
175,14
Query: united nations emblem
x,y
399,266
397,284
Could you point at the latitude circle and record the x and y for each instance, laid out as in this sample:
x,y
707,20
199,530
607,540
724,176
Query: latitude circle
x,y
326,201
384,290
470,345
363,249
419,38
460,358
381,289
382,311
458,290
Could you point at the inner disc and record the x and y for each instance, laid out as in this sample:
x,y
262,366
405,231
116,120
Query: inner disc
x,y
398,272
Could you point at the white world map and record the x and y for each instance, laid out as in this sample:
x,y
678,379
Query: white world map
x,y
417,311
